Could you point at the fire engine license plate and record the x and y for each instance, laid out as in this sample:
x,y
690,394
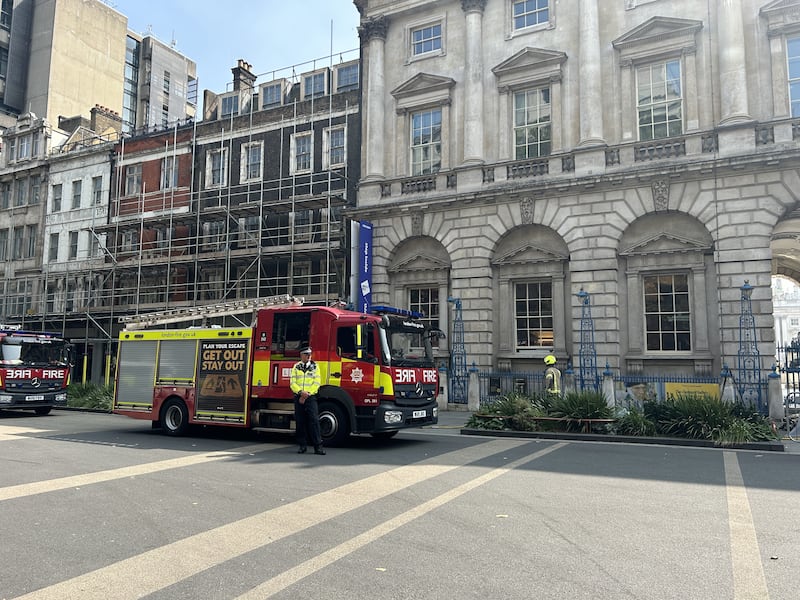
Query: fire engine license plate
x,y
418,414
34,398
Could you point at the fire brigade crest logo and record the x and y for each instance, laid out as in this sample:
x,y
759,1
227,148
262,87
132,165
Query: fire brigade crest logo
x,y
357,375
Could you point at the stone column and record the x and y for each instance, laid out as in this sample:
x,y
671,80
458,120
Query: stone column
x,y
591,94
473,94
732,79
373,33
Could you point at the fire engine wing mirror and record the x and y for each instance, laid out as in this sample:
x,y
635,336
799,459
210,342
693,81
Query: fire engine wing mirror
x,y
436,334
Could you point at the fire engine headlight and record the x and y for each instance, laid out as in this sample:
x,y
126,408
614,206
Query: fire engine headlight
x,y
435,411
5,399
392,417
61,397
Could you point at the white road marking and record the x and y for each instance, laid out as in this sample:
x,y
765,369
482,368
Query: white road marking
x,y
10,432
62,483
311,566
161,567
749,581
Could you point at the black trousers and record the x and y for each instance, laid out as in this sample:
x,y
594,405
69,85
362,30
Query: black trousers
x,y
306,417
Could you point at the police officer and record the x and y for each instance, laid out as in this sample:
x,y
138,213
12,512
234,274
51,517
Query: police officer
x,y
305,382
552,377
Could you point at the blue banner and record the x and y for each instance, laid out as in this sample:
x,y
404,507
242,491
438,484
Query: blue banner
x,y
364,266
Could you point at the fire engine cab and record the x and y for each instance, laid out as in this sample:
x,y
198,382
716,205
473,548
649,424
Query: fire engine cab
x,y
377,370
34,369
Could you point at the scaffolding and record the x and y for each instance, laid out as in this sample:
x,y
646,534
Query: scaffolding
x,y
172,242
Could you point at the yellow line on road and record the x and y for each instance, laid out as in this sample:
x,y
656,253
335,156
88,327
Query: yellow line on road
x,y
748,572
156,569
62,483
311,566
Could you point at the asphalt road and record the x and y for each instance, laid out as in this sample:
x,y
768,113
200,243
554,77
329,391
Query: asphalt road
x,y
96,506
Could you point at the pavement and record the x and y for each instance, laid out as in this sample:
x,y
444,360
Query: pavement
x,y
457,419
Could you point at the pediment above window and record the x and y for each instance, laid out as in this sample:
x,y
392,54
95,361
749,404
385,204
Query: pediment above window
x,y
659,34
528,254
419,262
783,16
665,243
421,89
529,65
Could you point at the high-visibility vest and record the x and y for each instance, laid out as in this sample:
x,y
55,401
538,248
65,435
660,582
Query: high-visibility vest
x,y
552,380
305,378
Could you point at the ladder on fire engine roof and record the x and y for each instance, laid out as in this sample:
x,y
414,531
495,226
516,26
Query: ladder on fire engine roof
x,y
208,311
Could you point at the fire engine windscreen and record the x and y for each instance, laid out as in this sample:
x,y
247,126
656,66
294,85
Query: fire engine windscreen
x,y
407,342
15,350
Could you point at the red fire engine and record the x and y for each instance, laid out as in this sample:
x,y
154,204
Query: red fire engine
x,y
377,370
34,370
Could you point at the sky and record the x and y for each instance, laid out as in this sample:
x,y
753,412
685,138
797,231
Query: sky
x,y
268,34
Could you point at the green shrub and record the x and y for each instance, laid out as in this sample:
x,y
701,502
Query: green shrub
x,y
634,422
90,395
705,417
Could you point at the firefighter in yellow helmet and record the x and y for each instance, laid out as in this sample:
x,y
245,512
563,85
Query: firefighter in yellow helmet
x,y
552,376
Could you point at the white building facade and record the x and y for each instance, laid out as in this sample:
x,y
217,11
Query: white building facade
x,y
518,152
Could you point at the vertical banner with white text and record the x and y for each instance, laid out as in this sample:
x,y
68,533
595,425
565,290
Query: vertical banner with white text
x,y
364,266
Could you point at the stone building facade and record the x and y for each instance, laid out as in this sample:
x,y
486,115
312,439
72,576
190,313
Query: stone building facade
x,y
519,152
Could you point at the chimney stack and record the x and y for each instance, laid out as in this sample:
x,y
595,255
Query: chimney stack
x,y
243,77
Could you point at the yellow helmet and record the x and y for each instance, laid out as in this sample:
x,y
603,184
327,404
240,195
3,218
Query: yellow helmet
x,y
549,359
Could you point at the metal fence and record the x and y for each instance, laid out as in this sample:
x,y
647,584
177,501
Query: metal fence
x,y
629,389
494,384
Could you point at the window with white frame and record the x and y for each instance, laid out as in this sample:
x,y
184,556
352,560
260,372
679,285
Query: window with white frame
x,y
427,39
271,95
659,100
97,190
426,141
793,64
230,105
425,300
533,313
5,194
301,152
3,244
56,207
23,147
527,13
216,167
77,187
346,77
667,312
314,85
73,245
251,161
532,123
169,172
52,253
333,151
133,180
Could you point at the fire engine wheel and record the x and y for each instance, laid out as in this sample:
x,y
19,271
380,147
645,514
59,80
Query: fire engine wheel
x,y
43,410
333,425
174,417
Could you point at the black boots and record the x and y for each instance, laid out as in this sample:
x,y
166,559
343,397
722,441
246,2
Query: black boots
x,y
302,450
319,450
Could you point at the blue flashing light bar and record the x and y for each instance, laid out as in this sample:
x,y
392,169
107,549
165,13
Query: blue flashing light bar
x,y
391,310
